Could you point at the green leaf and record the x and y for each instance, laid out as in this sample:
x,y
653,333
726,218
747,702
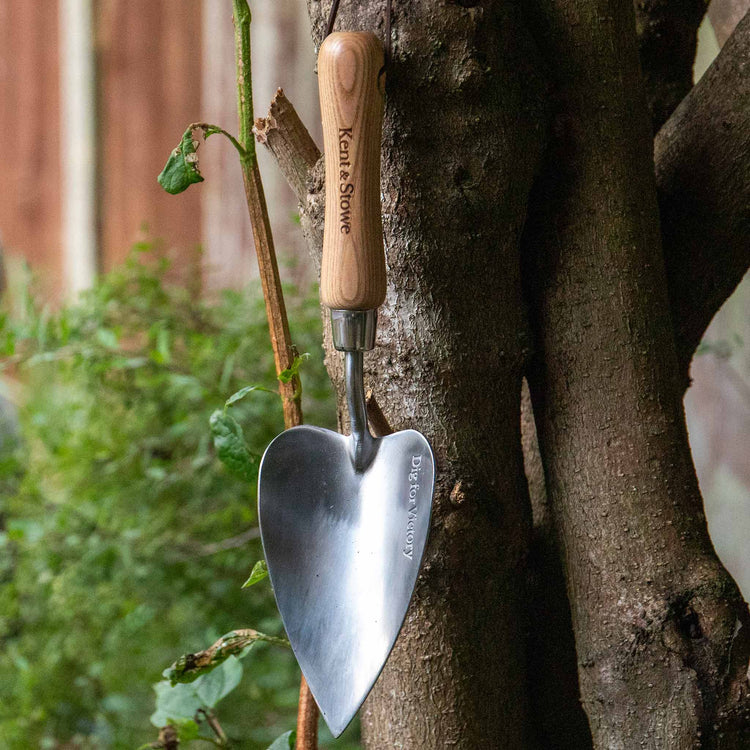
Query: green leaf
x,y
285,742
187,730
257,574
161,353
179,702
239,395
231,447
175,703
106,337
285,376
181,169
212,687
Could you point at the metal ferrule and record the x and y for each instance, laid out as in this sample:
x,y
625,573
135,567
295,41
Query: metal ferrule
x,y
354,330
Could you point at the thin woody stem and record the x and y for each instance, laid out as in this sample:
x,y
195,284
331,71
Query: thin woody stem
x,y
278,323
213,722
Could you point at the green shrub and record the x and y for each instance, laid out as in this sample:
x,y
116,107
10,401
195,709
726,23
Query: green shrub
x,y
124,541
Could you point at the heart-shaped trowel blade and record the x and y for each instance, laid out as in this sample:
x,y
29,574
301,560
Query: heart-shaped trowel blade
x,y
343,550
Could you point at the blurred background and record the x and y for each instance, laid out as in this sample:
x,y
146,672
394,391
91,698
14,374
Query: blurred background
x,y
123,540
95,94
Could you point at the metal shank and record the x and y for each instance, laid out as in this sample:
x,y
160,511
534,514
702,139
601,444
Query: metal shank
x,y
363,443
354,333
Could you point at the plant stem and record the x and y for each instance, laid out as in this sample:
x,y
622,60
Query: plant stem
x,y
213,722
209,129
241,16
278,323
283,351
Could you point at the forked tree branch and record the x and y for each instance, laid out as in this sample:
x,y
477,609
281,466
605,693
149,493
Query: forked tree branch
x,y
702,157
282,128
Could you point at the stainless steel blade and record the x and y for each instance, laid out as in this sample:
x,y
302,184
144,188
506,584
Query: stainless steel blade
x,y
343,548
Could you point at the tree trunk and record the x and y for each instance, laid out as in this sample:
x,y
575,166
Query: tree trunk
x,y
660,629
462,139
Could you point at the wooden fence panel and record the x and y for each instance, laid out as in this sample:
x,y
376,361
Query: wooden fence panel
x,y
149,66
30,124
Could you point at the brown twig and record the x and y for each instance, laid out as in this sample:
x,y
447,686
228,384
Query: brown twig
x,y
168,739
213,722
283,133
281,341
378,423
283,351
307,719
278,324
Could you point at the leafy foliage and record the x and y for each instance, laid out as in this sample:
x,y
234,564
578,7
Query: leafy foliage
x,y
181,701
231,447
117,516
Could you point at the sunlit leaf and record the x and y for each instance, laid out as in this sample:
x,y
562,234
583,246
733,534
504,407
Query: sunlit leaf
x,y
231,447
285,742
212,687
285,376
257,574
187,730
175,702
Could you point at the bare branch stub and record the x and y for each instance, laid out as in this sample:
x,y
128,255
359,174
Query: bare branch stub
x,y
283,133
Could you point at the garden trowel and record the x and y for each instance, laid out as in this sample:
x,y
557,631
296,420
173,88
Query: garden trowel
x,y
344,519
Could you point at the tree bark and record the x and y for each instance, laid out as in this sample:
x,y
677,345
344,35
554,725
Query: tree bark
x,y
463,135
702,162
560,722
661,630
667,38
702,157
679,625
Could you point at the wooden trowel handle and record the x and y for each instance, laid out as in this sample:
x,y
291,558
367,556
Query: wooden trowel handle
x,y
351,102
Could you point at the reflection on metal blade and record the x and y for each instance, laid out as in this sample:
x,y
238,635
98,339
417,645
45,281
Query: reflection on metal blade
x,y
343,549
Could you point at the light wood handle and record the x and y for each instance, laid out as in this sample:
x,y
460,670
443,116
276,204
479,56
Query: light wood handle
x,y
351,102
